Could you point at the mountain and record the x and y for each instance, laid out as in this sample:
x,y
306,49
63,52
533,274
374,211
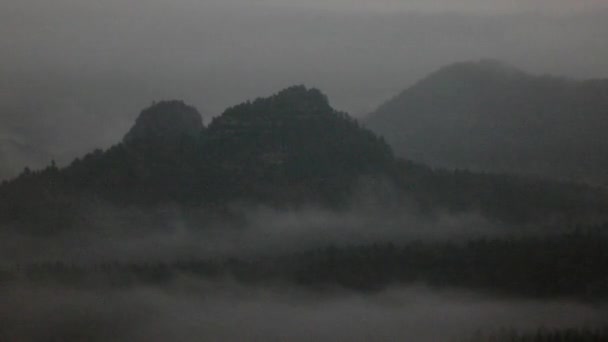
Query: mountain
x,y
165,123
288,149
284,151
489,116
290,146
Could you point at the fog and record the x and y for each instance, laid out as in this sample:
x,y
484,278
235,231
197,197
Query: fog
x,y
75,74
190,310
173,233
192,307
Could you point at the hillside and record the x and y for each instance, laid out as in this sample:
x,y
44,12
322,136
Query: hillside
x,y
289,150
488,116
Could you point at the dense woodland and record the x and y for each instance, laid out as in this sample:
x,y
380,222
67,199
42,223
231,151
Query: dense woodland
x,y
506,197
293,150
286,150
560,266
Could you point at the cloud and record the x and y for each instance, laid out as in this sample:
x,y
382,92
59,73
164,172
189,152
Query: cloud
x,y
168,233
194,311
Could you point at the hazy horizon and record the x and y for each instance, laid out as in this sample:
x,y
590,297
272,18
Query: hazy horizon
x,y
76,73
461,203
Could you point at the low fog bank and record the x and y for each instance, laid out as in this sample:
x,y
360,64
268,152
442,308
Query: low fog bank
x,y
168,233
194,311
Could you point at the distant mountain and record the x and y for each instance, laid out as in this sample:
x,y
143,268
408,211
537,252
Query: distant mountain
x,y
493,117
16,152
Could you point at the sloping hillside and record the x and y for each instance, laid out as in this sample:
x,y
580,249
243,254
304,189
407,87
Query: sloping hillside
x,y
492,117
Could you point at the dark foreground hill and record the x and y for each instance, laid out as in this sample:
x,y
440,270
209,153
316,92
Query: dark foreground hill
x,y
487,116
288,150
291,147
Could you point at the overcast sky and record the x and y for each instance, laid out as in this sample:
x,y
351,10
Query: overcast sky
x,y
75,73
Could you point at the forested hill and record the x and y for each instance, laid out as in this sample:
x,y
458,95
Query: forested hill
x,y
488,116
290,148
287,150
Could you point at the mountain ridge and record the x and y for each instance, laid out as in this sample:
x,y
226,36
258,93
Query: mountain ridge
x,y
486,116
289,150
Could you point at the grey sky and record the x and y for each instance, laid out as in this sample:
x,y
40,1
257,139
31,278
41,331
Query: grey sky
x,y
75,73
471,6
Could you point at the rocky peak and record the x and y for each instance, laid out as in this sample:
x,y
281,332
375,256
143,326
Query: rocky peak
x,y
301,95
290,105
165,122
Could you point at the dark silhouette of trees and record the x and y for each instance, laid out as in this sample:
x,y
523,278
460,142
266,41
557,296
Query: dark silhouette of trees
x,y
569,265
289,149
